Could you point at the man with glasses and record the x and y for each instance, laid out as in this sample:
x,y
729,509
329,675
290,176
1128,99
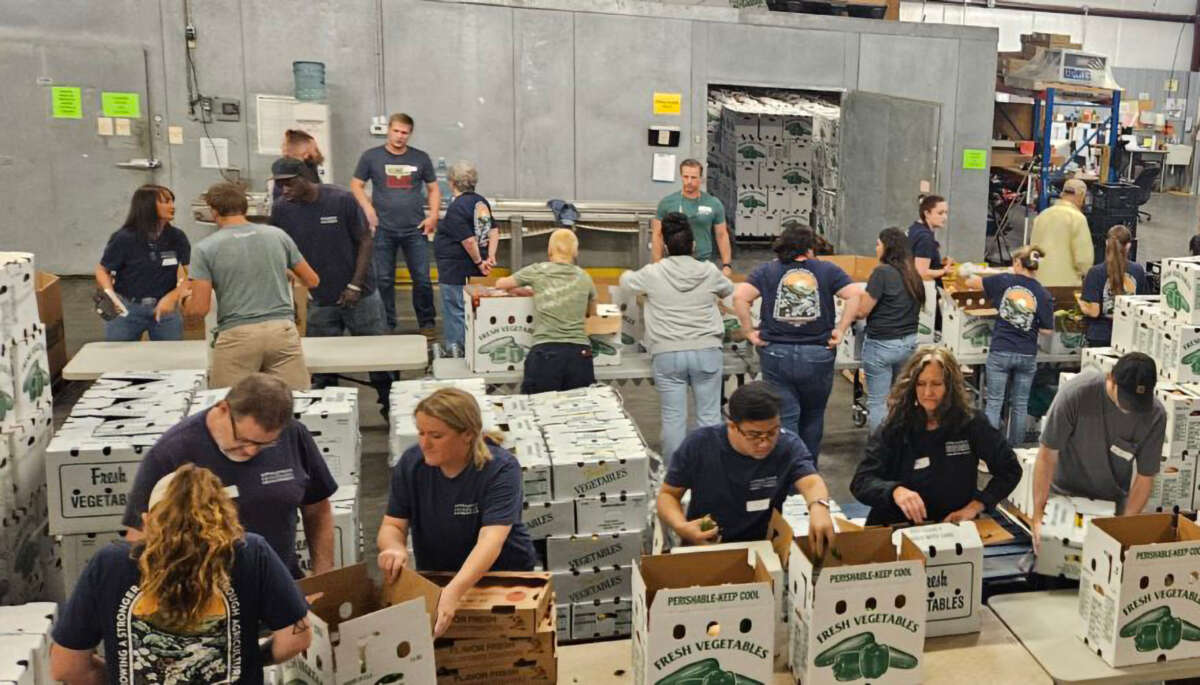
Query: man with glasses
x,y
267,461
739,472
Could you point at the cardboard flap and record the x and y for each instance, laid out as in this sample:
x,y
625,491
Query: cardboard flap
x,y
1143,529
501,592
780,534
348,592
708,568
412,585
867,546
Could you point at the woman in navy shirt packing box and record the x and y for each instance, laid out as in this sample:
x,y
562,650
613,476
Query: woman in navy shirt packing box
x,y
1103,282
460,495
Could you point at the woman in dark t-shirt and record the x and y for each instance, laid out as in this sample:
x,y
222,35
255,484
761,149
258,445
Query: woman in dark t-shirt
x,y
932,212
1116,275
891,306
465,245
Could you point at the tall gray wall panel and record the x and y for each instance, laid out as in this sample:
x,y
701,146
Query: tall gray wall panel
x,y
551,98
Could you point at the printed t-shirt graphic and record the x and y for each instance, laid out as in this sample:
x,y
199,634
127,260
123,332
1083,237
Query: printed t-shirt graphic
x,y
1107,307
209,652
400,175
798,298
1019,307
483,224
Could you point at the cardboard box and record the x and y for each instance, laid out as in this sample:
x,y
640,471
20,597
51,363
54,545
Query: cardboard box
x,y
595,551
611,513
500,605
1126,316
1136,604
385,633
1179,352
604,331
1182,403
18,660
707,618
48,293
89,482
858,267
25,623
968,336
31,372
524,672
543,519
601,472
1174,486
1181,289
633,317
1064,527
1103,359
347,541
482,652
499,329
858,611
602,618
585,585
77,550
562,621
18,286
953,575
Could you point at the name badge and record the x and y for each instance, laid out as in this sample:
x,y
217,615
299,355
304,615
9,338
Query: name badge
x,y
758,504
922,463
232,491
1122,452
169,259
704,209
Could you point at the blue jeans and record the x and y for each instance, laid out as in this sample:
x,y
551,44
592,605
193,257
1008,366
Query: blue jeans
x,y
1021,368
364,318
415,247
454,328
803,375
141,319
673,373
882,361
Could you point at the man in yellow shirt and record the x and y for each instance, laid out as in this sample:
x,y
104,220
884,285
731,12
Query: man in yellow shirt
x,y
1062,231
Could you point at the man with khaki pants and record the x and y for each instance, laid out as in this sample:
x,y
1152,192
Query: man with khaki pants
x,y
247,265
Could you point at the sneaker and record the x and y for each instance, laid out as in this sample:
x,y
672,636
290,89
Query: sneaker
x,y
456,351
430,333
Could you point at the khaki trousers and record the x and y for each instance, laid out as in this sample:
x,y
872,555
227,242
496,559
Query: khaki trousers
x,y
272,347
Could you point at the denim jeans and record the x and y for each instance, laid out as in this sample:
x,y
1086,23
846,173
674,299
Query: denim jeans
x,y
674,372
1021,367
454,328
141,319
415,247
364,318
803,375
882,361
557,366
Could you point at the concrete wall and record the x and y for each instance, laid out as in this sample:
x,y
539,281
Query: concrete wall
x,y
549,99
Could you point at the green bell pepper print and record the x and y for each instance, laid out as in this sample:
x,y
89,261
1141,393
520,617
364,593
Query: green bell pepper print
x,y
1170,632
706,672
1174,298
848,666
874,660
850,644
1151,617
901,659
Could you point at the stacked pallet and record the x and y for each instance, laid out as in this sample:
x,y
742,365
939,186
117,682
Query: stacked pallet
x,y
1032,45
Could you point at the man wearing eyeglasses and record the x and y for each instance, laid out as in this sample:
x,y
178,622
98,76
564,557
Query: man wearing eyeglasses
x,y
267,461
739,472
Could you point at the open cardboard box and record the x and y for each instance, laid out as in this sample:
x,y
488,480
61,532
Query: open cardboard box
x,y
466,653
703,617
858,267
502,604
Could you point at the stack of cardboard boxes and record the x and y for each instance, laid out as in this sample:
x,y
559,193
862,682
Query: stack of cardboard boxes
x,y
770,156
25,643
1032,45
403,399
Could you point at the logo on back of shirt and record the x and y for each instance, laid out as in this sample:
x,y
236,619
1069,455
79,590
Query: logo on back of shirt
x,y
1018,307
470,509
1107,307
798,298
208,652
400,175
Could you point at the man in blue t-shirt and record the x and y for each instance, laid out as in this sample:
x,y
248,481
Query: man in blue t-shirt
x,y
332,234
741,471
266,459
402,212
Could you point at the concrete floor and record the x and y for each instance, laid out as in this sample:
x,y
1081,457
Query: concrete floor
x,y
1166,235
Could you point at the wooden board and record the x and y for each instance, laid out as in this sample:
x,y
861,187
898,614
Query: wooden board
x,y
992,533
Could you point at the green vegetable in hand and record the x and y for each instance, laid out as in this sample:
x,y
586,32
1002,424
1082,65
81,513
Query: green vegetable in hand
x,y
850,644
873,660
707,523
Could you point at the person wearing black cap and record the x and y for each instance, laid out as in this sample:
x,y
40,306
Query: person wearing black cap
x,y
1098,427
332,233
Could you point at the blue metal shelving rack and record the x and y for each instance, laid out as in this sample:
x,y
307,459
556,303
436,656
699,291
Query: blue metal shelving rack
x,y
1044,101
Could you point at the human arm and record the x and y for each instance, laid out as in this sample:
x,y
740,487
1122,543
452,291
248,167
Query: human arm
x,y
1092,297
363,241
287,642
77,630
305,274
1139,494
167,303
632,281
318,531
656,240
670,509
76,666
104,281
1043,473
472,247
392,541
721,238
358,187
820,523
507,283
493,247
989,445
849,294
875,484
927,271
433,208
1147,465
485,552
744,294
1089,309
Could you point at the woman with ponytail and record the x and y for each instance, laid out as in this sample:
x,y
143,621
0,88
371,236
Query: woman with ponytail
x,y
1024,310
186,603
1115,276
932,212
891,306
460,494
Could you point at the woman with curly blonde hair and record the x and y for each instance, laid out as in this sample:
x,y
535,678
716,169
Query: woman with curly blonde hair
x,y
185,604
922,463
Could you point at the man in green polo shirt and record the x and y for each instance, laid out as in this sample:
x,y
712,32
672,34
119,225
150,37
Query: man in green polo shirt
x,y
705,214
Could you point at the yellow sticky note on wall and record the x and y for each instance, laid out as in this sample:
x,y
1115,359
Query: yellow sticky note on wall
x,y
668,103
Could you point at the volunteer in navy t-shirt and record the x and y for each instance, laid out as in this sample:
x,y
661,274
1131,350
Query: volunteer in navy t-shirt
x,y
468,216
445,515
1024,306
1096,290
107,600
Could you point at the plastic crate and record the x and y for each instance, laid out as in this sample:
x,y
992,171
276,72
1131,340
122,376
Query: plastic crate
x,y
1110,197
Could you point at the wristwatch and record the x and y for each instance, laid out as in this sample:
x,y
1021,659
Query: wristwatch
x,y
727,265
824,501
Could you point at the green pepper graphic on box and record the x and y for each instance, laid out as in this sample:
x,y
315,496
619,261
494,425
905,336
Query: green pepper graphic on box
x,y
706,672
859,657
6,404
1174,298
1158,629
35,381
504,350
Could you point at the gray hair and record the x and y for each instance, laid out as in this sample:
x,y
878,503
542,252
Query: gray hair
x,y
463,176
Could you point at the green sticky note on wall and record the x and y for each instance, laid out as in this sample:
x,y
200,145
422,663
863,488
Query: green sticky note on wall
x,y
126,105
66,102
974,158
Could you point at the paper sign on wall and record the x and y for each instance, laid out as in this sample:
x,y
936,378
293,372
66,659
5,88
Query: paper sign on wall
x,y
214,153
664,168
66,102
121,104
974,158
668,103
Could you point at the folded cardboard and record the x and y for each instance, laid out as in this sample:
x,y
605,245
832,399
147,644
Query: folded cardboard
x,y
953,575
1136,600
703,618
485,651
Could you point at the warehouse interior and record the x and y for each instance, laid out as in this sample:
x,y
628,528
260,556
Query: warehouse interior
x,y
997,107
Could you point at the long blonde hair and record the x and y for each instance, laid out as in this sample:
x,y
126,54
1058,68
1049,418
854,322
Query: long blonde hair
x,y
459,410
187,554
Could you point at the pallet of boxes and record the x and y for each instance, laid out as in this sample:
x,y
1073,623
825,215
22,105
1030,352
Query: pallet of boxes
x,y
25,643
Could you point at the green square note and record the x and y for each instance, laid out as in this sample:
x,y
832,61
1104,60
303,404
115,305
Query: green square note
x,y
974,158
66,102
126,105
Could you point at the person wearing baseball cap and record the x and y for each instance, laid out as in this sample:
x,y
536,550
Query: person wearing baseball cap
x,y
1063,231
1099,427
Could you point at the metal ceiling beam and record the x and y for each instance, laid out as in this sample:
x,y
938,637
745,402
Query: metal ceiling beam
x,y
1078,11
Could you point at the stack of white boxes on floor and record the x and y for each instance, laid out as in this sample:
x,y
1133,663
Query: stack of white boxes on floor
x,y
601,465
403,399
763,159
93,459
25,643
25,428
331,417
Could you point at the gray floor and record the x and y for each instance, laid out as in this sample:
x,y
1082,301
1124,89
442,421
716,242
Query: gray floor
x,y
1174,221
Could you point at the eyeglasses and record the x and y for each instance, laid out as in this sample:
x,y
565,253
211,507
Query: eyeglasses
x,y
758,436
244,442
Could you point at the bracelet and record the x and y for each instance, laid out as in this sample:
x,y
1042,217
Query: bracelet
x,y
353,287
726,265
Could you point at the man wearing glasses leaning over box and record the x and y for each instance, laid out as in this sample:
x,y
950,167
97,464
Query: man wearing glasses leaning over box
x,y
266,460
739,472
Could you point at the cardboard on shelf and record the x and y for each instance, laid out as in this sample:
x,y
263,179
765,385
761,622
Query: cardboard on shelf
x,y
1136,603
702,618
953,575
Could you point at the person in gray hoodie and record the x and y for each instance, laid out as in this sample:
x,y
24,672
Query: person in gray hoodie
x,y
684,330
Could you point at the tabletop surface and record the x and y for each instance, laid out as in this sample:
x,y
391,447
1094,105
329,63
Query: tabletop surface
x,y
322,355
633,365
992,654
1045,622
